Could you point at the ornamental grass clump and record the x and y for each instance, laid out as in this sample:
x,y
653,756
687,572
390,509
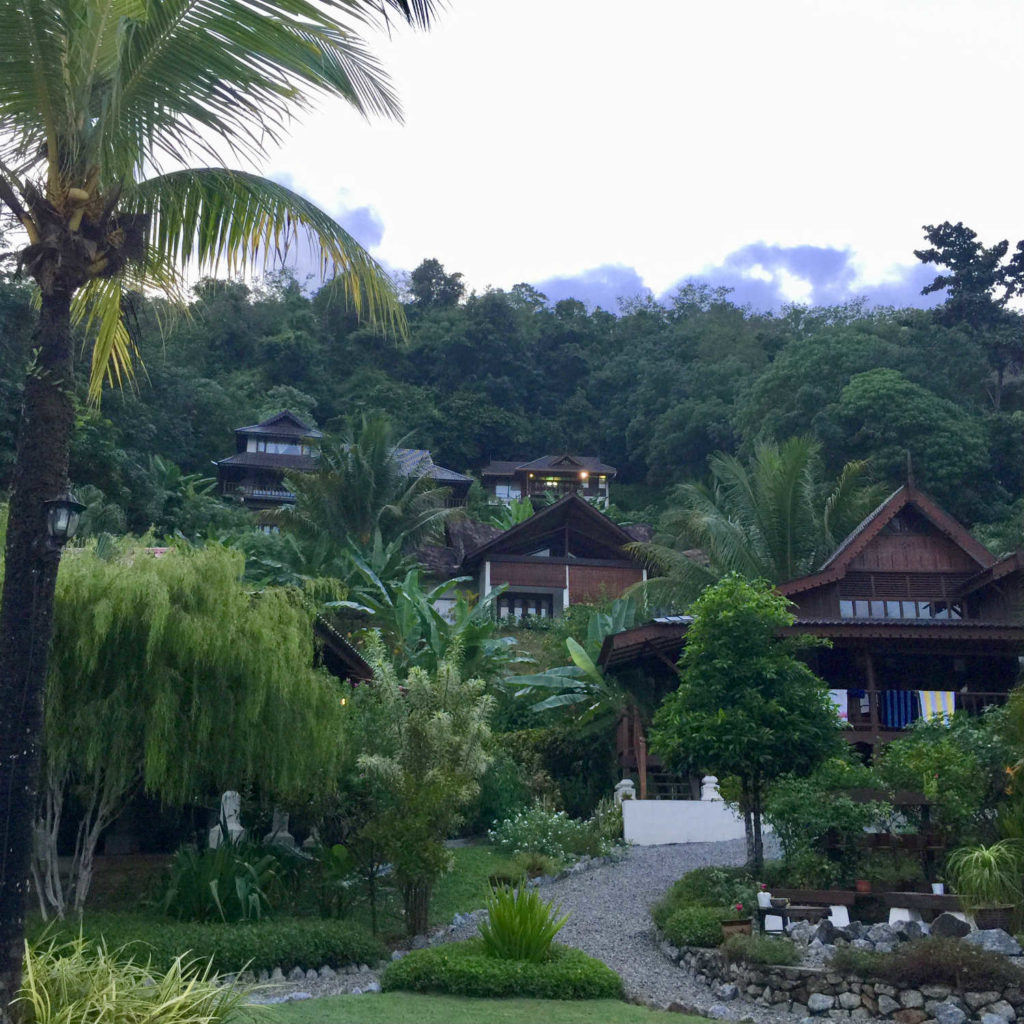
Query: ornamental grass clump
x,y
520,925
76,981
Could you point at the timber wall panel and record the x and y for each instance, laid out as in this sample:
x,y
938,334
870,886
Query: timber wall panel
x,y
588,583
527,574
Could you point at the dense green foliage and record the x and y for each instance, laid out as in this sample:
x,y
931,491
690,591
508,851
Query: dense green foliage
x,y
553,834
760,950
463,968
932,962
520,925
746,705
283,942
696,925
66,982
655,390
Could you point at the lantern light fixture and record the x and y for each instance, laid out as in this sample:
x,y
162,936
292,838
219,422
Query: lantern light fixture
x,y
62,516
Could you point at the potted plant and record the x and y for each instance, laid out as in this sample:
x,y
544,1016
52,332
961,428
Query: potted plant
x,y
988,881
736,925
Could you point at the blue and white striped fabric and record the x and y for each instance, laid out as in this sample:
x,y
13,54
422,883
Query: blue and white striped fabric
x,y
937,704
898,708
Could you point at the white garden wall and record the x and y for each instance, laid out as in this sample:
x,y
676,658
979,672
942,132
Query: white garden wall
x,y
657,822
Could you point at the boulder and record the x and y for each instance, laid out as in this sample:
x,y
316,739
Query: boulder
x,y
949,1013
1002,1009
910,1016
947,926
976,1000
881,933
911,998
887,1005
826,932
296,974
995,940
908,931
991,1018
727,991
328,972
849,1000
818,1002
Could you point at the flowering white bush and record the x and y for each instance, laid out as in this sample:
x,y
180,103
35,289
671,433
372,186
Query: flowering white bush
x,y
552,833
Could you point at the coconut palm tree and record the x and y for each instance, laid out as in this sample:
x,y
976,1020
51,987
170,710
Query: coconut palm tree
x,y
106,109
774,517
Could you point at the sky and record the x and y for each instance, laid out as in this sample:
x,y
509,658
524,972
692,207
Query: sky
x,y
791,149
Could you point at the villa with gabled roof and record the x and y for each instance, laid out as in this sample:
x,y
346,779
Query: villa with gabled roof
x,y
922,619
558,475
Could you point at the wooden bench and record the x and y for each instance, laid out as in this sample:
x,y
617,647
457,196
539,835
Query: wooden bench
x,y
913,903
806,905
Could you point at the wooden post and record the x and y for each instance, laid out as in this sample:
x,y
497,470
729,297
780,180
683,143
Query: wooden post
x,y
873,696
641,758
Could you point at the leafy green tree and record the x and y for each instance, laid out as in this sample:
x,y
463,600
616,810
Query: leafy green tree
x,y
773,518
746,705
883,416
979,284
167,674
99,97
423,757
431,286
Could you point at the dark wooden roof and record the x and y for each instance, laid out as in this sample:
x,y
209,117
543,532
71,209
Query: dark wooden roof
x,y
270,460
837,564
571,512
550,463
337,655
282,424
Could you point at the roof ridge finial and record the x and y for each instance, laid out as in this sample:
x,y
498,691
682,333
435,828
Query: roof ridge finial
x,y
910,469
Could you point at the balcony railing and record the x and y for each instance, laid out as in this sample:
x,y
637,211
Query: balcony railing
x,y
870,713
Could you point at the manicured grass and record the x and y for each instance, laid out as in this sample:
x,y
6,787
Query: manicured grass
x,y
466,887
406,1008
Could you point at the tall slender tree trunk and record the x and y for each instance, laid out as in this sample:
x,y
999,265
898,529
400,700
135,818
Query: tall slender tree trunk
x,y
26,612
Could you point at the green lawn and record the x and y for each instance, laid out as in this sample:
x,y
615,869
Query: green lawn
x,y
465,887
407,1008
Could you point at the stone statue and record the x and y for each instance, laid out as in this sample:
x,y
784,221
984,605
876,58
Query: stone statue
x,y
624,790
229,826
279,834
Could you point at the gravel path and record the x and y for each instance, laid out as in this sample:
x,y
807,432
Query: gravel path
x,y
610,919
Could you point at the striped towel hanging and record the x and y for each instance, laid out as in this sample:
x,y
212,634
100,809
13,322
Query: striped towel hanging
x,y
898,708
937,704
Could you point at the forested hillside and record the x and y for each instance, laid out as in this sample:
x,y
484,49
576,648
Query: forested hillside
x,y
652,388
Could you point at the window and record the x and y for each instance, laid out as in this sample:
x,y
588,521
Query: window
x,y
944,610
507,492
515,606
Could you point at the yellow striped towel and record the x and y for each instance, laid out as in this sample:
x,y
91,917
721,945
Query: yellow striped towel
x,y
937,704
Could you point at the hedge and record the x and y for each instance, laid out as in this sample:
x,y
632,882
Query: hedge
x,y
463,969
258,946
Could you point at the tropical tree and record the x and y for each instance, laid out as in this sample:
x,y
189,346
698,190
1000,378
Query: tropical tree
x,y
364,488
746,705
106,107
772,518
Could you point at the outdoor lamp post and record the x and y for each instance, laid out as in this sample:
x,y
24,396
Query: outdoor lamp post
x,y
62,515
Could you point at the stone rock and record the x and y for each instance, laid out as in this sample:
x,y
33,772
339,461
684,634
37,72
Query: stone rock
x,y
676,1007
294,997
908,931
263,977
854,930
818,1002
949,1013
995,940
374,986
885,990
311,975
881,933
849,1000
398,954
910,1016
1002,1009
947,926
991,1018
670,951
935,991
884,947
296,974
364,968
1014,996
861,1013
976,1000
727,991
277,974
801,932
826,932
357,991
887,1005
862,944
839,1014
419,942
911,998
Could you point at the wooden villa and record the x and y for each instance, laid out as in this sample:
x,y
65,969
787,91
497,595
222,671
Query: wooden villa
x,y
550,474
923,620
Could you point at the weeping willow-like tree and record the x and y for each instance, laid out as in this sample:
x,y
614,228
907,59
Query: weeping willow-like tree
x,y
129,133
167,674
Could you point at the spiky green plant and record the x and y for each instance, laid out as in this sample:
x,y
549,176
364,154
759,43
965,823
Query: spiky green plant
x,y
520,925
76,981
988,875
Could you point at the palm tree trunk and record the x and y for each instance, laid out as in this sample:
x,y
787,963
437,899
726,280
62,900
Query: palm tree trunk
x,y
26,613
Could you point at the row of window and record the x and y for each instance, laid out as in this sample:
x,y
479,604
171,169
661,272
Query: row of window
x,y
277,447
854,609
515,606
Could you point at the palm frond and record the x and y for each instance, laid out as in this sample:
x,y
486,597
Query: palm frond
x,y
98,308
212,218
